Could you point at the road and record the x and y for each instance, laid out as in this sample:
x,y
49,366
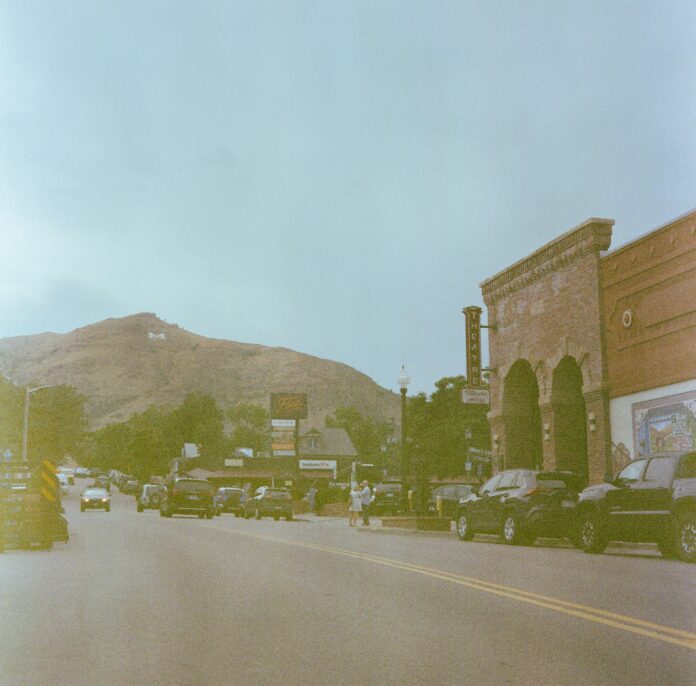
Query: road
x,y
138,599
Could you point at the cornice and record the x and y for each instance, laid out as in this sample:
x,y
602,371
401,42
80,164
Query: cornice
x,y
592,236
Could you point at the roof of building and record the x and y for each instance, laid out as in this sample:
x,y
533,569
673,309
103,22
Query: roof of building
x,y
329,442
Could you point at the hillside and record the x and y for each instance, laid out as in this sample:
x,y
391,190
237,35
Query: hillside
x,y
123,366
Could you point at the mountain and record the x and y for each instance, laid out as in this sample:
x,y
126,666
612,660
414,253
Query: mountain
x,y
123,366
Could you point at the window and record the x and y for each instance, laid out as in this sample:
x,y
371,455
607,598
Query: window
x,y
660,469
507,480
632,471
490,485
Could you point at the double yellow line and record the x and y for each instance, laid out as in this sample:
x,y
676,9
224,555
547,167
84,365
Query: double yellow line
x,y
685,639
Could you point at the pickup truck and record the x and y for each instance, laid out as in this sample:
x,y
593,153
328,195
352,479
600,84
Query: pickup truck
x,y
652,499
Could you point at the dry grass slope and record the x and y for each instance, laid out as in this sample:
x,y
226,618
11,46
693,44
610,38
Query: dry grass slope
x,y
122,366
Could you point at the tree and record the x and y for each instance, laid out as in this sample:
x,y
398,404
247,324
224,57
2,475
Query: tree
x,y
251,427
437,428
369,435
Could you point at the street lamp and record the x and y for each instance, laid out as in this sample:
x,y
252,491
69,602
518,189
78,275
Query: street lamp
x,y
25,426
403,381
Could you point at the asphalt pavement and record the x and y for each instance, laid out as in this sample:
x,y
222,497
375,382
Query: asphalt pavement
x,y
133,598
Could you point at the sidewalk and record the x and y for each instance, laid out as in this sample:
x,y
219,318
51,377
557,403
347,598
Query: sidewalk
x,y
376,528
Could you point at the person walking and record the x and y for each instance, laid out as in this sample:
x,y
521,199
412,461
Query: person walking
x,y
365,500
355,505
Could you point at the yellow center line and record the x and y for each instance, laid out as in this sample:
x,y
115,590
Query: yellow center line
x,y
633,625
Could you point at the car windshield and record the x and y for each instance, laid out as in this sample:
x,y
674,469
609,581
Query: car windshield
x,y
96,493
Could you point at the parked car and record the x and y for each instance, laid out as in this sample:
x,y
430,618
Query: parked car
x,y
387,499
269,502
102,482
652,499
62,482
69,472
449,497
520,505
230,499
187,496
131,487
149,497
95,499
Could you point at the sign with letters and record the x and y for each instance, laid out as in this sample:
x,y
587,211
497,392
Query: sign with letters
x,y
472,316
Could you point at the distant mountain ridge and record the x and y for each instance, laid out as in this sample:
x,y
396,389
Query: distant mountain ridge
x,y
123,366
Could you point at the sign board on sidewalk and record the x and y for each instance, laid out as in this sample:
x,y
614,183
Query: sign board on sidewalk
x,y
234,462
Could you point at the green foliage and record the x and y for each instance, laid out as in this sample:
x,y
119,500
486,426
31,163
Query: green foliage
x,y
56,426
436,429
146,443
368,434
251,427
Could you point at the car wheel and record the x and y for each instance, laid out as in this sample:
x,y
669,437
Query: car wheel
x,y
593,537
464,530
210,515
686,536
258,514
511,532
236,514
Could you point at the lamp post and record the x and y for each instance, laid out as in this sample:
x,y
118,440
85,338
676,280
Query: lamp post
x,y
403,381
25,425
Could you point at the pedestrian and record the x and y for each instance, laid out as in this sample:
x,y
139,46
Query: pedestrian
x,y
365,500
355,505
311,496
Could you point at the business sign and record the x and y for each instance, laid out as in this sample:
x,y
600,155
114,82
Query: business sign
x,y
472,316
283,437
665,425
318,464
289,405
234,462
476,396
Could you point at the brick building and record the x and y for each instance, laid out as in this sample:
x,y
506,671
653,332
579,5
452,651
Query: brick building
x,y
593,352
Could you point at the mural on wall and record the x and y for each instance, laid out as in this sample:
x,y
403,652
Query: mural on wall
x,y
665,425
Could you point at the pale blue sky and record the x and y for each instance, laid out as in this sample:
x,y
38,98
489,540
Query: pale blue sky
x,y
333,177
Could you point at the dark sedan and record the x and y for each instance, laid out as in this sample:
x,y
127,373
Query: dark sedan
x,y
444,500
521,505
269,502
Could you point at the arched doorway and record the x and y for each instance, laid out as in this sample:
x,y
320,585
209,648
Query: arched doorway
x,y
523,447
568,407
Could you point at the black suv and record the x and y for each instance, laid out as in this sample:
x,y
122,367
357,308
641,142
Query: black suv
x,y
652,499
520,505
188,496
387,499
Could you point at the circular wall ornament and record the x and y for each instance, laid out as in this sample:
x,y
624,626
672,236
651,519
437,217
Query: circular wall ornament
x,y
627,319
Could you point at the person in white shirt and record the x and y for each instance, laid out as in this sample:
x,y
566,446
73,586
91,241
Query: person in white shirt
x,y
355,505
365,500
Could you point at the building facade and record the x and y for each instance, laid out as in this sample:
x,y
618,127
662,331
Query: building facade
x,y
590,351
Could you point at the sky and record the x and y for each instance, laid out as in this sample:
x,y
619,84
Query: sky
x,y
333,177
